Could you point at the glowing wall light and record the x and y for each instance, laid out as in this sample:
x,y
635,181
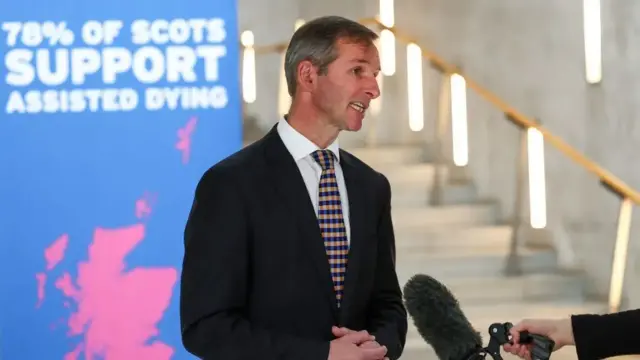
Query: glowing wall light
x,y
414,89
298,23
284,99
248,67
387,13
459,120
592,41
537,186
387,38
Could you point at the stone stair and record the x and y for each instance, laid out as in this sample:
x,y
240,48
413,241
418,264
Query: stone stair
x,y
464,245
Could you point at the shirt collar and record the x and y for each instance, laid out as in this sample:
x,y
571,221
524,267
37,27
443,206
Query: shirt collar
x,y
298,145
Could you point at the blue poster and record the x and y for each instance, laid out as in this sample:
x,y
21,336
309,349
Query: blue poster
x,y
110,112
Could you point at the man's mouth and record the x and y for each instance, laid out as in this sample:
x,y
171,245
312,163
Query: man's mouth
x,y
357,106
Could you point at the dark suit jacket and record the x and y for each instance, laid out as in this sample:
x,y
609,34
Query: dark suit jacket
x,y
603,336
255,280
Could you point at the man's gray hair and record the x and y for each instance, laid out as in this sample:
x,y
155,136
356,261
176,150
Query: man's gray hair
x,y
317,40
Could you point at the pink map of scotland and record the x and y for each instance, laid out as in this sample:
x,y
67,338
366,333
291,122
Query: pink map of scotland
x,y
116,310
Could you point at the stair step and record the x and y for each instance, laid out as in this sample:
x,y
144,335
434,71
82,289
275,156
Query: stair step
x,y
456,263
452,215
431,239
412,179
418,193
502,289
483,315
419,173
389,155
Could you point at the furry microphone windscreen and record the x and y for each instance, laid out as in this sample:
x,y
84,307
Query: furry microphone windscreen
x,y
437,315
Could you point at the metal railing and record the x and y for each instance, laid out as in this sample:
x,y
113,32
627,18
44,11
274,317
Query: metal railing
x,y
628,196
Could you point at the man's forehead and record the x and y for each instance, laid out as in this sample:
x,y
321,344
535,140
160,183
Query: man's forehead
x,y
355,43
357,50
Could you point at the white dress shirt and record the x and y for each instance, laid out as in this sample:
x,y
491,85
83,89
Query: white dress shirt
x,y
300,149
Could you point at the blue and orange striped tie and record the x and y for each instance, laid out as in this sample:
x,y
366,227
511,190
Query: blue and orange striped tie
x,y
331,220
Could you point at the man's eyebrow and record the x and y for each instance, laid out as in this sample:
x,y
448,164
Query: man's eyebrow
x,y
365,61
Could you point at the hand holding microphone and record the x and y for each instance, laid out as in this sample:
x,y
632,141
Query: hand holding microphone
x,y
437,315
560,331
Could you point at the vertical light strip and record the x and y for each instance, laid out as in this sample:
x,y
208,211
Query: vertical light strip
x,y
414,87
388,53
248,67
284,99
387,38
620,255
592,40
298,23
376,104
387,13
459,120
537,182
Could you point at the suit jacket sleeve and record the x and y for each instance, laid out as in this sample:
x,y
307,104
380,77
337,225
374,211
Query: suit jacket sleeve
x,y
603,336
215,283
388,317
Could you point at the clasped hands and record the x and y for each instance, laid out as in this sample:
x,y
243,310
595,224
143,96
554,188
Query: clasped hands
x,y
355,345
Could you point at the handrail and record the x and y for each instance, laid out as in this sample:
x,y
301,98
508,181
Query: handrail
x,y
606,177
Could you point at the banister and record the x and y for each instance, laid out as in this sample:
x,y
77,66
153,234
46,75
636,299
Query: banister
x,y
606,177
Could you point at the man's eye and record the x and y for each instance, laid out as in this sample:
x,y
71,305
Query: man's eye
x,y
357,71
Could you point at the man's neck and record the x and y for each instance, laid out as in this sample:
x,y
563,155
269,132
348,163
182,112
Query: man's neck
x,y
312,126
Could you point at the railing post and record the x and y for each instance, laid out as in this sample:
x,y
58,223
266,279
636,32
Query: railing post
x,y
513,266
619,262
441,126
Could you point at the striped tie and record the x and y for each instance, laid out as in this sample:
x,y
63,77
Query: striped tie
x,y
331,220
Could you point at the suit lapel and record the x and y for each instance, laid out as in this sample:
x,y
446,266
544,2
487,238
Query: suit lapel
x,y
357,251
288,182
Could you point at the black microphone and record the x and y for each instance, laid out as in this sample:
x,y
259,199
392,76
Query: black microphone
x,y
437,315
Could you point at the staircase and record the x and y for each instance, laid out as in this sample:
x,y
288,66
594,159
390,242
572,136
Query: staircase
x,y
463,245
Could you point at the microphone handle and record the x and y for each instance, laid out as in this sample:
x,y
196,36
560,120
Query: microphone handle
x,y
542,345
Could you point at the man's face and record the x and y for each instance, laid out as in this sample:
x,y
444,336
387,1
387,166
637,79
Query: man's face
x,y
343,94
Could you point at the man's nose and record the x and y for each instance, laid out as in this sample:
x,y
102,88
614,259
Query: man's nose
x,y
372,89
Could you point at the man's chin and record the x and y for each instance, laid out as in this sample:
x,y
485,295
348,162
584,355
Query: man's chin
x,y
353,125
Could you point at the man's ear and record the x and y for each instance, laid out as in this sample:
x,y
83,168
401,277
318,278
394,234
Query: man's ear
x,y
307,76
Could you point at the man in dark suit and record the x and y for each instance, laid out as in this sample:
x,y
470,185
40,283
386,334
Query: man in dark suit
x,y
289,246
